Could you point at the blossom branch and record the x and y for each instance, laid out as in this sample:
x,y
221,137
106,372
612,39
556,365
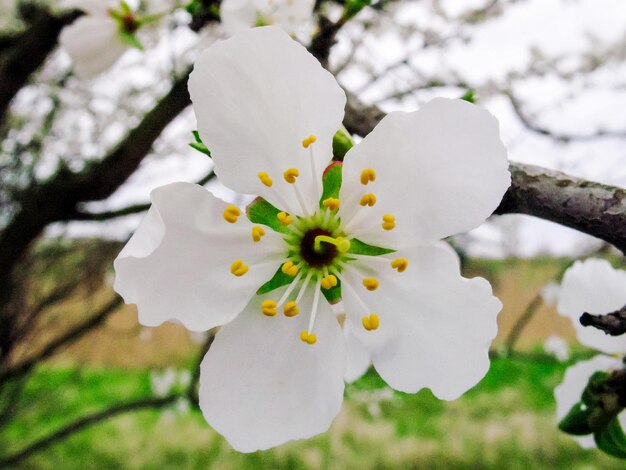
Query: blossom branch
x,y
593,208
613,323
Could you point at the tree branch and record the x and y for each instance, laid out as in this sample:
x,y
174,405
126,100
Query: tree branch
x,y
613,323
85,422
593,208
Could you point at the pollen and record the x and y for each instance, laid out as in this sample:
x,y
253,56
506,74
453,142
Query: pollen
x,y
290,175
307,337
269,308
289,268
368,200
238,268
291,309
308,141
257,233
265,179
331,203
400,264
370,283
368,175
284,218
370,323
389,222
231,214
329,281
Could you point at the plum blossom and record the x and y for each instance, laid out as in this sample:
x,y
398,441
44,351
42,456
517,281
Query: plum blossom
x,y
330,260
557,347
295,17
592,286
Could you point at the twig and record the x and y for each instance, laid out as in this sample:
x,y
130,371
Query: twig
x,y
521,322
613,323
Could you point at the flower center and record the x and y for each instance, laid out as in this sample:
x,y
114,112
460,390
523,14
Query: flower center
x,y
321,255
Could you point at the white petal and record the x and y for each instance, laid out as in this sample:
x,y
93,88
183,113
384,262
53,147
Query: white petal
x,y
177,265
595,287
261,386
569,392
441,170
237,15
435,326
256,97
359,359
94,44
550,293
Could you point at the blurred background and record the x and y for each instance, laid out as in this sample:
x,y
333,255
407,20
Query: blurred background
x,y
83,385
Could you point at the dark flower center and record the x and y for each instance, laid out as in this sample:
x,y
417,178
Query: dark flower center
x,y
317,258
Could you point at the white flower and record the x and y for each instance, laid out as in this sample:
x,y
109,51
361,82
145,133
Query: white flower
x,y
268,112
550,294
595,287
293,16
163,383
557,346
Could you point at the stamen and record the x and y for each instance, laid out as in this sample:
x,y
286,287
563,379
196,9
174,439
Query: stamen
x,y
329,281
331,203
400,264
265,179
290,175
291,309
284,218
289,268
316,300
368,175
368,200
268,307
341,243
370,323
231,214
238,268
308,141
307,337
290,289
370,320
370,283
307,279
257,233
389,222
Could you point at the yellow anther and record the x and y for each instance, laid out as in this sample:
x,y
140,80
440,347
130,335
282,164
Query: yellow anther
x,y
308,141
268,307
368,175
370,283
257,233
284,218
389,222
331,203
290,175
307,337
329,281
265,179
289,268
368,200
231,214
400,264
238,268
370,323
291,309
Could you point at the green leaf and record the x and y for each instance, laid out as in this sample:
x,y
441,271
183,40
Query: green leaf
x,y
131,40
279,279
357,247
353,7
199,145
262,212
193,7
576,421
331,181
611,439
470,96
342,142
333,295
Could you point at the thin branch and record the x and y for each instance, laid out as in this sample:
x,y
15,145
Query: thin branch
x,y
521,322
85,422
613,323
192,390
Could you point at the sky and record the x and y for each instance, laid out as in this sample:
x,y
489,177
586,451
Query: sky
x,y
563,30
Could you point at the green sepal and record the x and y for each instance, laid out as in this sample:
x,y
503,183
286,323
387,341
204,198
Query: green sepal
x,y
199,145
331,182
193,7
469,96
131,39
333,295
611,439
357,247
342,142
353,7
279,279
576,421
149,19
262,212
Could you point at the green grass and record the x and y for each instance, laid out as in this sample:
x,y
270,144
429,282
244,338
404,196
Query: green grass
x,y
505,422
